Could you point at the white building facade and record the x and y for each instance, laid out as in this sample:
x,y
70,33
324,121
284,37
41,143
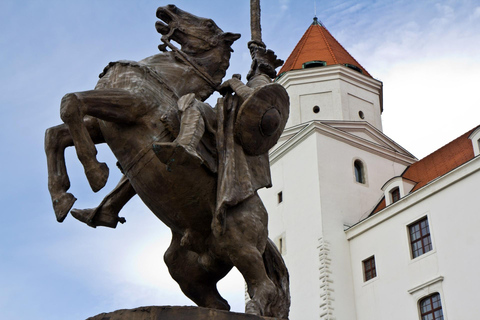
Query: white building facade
x,y
345,197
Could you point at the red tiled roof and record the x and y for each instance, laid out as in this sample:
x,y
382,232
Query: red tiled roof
x,y
317,44
441,161
438,163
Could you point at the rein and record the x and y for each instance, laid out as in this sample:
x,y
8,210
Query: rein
x,y
205,76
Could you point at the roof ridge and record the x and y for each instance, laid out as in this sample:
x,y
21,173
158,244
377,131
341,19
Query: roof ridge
x,y
466,134
359,65
302,43
328,44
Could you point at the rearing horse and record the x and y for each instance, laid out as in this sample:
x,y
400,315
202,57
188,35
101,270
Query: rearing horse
x,y
134,106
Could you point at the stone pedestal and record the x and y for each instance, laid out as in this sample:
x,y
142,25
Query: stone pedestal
x,y
175,313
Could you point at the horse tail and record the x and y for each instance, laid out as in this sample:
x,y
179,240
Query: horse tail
x,y
278,273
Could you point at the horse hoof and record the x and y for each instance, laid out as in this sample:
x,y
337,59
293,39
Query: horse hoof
x,y
253,307
62,205
219,304
97,177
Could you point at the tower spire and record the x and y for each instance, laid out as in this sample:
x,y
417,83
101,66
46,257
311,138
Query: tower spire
x,y
318,46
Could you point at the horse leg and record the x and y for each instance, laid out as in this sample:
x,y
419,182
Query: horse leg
x,y
113,105
57,139
106,214
196,275
244,242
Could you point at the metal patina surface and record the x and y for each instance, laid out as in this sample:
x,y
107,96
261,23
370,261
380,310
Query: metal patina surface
x,y
197,168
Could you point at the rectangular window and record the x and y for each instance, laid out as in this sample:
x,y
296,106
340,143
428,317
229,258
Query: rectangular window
x,y
395,194
369,270
420,237
280,197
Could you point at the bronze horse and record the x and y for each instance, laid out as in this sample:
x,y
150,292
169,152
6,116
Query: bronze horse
x,y
133,107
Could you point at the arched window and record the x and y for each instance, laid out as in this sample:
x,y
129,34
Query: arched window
x,y
359,171
431,308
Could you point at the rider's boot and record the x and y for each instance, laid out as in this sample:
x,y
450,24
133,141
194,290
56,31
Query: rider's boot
x,y
182,151
97,217
106,214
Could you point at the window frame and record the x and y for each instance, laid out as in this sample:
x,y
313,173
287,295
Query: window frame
x,y
433,310
314,64
369,273
395,194
281,244
359,172
424,235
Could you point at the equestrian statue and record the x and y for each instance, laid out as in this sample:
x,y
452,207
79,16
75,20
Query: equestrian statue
x,y
197,168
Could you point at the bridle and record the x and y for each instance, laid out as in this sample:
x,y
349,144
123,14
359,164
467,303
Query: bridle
x,y
185,58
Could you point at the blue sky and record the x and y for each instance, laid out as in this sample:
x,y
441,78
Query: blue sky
x,y
426,53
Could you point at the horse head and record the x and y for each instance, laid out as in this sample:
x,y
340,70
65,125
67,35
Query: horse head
x,y
202,42
195,34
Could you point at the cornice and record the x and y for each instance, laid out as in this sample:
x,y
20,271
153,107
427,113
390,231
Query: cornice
x,y
326,73
305,130
370,130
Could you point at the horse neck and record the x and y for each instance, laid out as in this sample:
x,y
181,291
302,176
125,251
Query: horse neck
x,y
214,62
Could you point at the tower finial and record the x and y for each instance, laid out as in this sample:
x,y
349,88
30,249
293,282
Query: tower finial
x,y
316,22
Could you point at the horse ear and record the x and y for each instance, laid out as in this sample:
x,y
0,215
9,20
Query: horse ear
x,y
230,37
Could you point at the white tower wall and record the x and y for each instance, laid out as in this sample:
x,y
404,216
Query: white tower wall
x,y
339,92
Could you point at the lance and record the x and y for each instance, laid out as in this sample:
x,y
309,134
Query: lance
x,y
255,27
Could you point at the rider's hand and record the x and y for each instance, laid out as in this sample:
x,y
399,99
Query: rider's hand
x,y
227,87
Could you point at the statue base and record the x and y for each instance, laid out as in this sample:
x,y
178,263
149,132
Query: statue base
x,y
175,313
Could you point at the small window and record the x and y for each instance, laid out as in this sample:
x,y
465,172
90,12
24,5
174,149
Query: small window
x,y
316,109
359,171
420,237
281,244
395,194
369,270
280,197
431,307
361,115
314,64
353,67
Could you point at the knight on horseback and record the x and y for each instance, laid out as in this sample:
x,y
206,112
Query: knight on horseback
x,y
197,169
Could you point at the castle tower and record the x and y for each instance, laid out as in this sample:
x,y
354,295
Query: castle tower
x,y
328,170
326,83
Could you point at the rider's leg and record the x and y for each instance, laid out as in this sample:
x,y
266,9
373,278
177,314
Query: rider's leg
x,y
106,214
56,140
114,105
244,239
192,127
197,280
